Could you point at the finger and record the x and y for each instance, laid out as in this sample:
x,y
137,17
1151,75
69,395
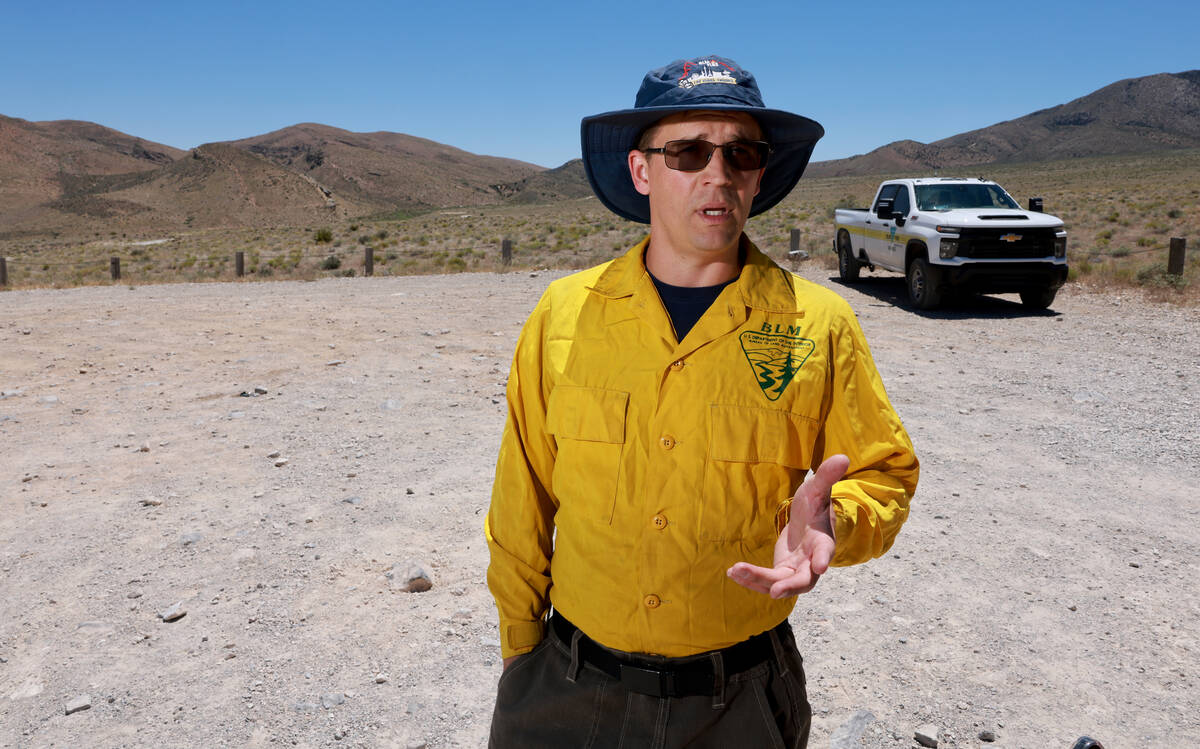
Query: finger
x,y
759,579
794,586
819,485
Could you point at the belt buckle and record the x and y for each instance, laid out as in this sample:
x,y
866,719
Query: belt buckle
x,y
648,680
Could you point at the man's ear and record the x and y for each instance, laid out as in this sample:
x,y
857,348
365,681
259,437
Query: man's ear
x,y
758,184
639,171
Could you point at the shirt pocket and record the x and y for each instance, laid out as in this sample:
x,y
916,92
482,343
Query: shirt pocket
x,y
588,425
756,459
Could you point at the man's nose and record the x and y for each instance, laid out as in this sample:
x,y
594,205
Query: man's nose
x,y
718,169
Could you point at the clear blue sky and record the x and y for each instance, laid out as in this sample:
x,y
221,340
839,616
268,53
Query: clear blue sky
x,y
513,79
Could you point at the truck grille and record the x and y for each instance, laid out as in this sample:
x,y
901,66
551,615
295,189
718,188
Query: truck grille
x,y
1014,242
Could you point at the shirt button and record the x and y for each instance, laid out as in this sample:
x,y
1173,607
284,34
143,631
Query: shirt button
x,y
667,441
677,365
659,521
652,601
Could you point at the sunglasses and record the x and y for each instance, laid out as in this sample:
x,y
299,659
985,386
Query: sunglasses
x,y
694,155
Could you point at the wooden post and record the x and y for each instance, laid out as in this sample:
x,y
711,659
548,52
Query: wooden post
x,y
369,260
239,263
114,268
506,251
795,246
3,271
1175,259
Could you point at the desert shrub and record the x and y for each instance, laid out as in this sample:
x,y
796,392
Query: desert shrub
x,y
323,235
1156,275
333,262
348,273
1174,213
1113,217
1121,252
353,227
456,264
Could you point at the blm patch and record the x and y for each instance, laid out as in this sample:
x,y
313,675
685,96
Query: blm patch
x,y
775,359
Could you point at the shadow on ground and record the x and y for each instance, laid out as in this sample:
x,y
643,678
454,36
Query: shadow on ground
x,y
892,290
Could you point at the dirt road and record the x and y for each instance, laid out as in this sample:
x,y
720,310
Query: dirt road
x,y
1043,588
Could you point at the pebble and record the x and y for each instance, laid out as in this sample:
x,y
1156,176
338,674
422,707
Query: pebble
x,y
987,736
332,699
306,707
410,576
173,612
355,500
260,391
194,537
281,462
335,362
381,678
926,735
152,502
145,448
274,454
82,702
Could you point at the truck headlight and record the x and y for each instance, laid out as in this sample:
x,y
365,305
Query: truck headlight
x,y
1060,245
948,248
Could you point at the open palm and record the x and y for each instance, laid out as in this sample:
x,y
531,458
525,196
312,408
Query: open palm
x,y
805,545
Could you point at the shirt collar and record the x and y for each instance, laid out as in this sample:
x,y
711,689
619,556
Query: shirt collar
x,y
762,284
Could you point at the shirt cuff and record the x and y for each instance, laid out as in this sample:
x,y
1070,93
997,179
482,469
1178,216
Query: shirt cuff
x,y
519,637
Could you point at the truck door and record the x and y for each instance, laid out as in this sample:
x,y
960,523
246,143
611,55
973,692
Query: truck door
x,y
902,206
880,233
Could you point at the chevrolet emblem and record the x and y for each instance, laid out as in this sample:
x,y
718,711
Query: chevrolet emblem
x,y
1010,238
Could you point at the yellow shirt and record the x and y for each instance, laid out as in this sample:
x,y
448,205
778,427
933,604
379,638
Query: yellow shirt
x,y
634,469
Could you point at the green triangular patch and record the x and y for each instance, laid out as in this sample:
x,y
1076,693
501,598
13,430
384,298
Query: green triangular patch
x,y
775,359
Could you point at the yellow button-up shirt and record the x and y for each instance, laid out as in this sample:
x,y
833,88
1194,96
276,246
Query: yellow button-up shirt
x,y
635,469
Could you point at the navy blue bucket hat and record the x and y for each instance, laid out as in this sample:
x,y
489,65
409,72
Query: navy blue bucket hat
x,y
702,83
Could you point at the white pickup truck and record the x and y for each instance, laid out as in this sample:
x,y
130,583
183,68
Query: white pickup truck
x,y
954,234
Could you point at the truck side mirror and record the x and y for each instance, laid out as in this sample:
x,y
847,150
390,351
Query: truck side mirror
x,y
1035,205
883,209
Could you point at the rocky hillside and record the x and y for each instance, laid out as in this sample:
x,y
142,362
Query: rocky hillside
x,y
1130,116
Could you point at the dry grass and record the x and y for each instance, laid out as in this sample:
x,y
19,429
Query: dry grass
x,y
1120,211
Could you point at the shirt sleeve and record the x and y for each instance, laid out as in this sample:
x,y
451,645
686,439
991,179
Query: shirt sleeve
x,y
520,522
871,502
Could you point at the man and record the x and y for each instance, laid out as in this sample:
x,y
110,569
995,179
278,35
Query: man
x,y
664,409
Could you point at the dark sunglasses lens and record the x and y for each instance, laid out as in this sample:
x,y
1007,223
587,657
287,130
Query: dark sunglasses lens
x,y
688,155
745,156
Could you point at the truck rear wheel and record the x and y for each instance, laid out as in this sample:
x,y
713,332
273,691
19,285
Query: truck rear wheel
x,y
1038,298
848,265
924,284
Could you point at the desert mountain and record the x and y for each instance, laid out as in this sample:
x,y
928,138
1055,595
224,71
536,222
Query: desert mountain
x,y
566,182
1131,116
388,171
43,161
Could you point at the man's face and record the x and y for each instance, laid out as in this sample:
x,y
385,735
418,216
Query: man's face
x,y
697,214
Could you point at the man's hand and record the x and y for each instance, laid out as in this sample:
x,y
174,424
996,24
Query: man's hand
x,y
805,546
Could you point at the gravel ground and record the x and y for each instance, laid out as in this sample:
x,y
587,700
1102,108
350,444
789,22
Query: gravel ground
x,y
1039,591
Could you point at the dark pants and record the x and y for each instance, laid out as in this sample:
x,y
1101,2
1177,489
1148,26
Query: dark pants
x,y
539,704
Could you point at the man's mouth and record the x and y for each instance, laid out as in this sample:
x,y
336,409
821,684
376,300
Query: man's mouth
x,y
714,211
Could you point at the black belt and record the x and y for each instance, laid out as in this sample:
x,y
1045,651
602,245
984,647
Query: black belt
x,y
694,677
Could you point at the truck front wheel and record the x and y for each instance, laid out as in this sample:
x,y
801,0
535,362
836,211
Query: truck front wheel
x,y
924,284
848,265
1038,298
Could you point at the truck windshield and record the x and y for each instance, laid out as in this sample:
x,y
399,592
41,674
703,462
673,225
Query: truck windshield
x,y
949,197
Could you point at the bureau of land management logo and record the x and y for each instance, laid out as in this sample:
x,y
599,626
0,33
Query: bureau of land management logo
x,y
776,353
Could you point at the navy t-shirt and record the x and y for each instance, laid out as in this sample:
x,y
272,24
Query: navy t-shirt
x,y
686,304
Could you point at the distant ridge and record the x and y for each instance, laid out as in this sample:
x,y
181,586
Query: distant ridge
x,y
1135,115
79,176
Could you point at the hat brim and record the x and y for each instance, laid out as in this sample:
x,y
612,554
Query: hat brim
x,y
608,138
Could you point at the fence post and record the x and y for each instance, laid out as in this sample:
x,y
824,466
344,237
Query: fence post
x,y
1175,259
369,260
795,246
506,251
239,263
114,268
3,271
